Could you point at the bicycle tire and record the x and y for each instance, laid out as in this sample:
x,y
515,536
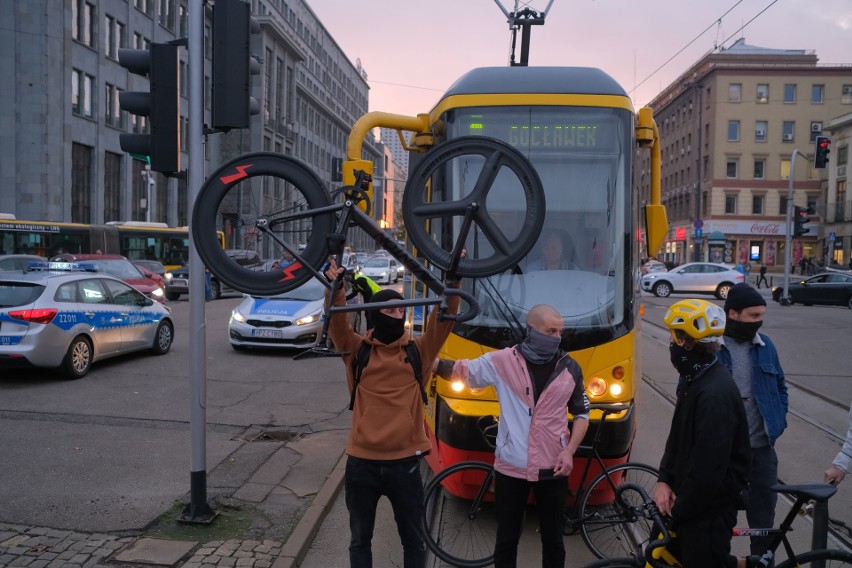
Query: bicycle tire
x,y
837,558
616,563
607,529
419,213
458,530
232,200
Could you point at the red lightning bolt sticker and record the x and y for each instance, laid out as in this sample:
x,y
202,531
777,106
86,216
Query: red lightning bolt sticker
x,y
237,176
289,271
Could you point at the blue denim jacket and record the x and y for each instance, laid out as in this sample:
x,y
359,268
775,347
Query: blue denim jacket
x,y
769,388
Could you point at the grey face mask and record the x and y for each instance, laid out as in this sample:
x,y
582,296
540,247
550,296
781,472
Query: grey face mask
x,y
538,347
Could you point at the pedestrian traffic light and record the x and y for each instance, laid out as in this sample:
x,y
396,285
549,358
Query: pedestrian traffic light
x,y
823,147
161,105
800,217
233,65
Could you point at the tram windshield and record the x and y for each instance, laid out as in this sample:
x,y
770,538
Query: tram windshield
x,y
581,263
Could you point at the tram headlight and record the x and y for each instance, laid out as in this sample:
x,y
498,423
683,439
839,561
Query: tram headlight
x,y
457,385
615,389
597,386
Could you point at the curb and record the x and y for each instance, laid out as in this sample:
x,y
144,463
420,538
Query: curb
x,y
297,546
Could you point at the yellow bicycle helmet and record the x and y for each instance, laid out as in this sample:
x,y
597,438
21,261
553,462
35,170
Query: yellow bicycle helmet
x,y
699,319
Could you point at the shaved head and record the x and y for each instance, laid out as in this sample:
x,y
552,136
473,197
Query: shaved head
x,y
545,319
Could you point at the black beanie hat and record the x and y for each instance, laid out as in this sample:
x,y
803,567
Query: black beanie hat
x,y
742,296
385,295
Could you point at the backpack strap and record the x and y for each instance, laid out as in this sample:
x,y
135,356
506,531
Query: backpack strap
x,y
358,363
362,357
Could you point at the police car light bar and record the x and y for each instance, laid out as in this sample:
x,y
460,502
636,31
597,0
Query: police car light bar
x,y
56,266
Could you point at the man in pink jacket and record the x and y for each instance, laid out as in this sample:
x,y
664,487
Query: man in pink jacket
x,y
535,381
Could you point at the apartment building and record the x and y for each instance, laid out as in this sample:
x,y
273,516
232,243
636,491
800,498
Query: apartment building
x,y
60,157
730,126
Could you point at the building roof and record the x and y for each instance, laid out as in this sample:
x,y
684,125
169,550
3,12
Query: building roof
x,y
740,47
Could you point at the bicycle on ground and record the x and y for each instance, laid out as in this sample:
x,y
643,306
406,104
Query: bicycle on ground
x,y
460,525
662,551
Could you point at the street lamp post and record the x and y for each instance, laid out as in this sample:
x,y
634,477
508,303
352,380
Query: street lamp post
x,y
785,297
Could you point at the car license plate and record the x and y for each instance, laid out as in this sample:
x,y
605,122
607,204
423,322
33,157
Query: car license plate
x,y
270,333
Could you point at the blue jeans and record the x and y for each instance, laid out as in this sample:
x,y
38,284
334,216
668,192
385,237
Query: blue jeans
x,y
760,511
365,482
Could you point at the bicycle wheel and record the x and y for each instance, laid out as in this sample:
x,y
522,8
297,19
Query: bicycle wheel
x,y
250,193
608,529
826,558
484,174
459,523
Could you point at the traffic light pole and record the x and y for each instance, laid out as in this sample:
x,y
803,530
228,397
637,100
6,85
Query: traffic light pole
x,y
198,510
788,240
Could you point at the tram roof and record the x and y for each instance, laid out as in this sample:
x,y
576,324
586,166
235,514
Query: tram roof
x,y
547,80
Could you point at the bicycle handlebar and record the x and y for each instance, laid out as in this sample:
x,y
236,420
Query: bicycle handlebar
x,y
648,509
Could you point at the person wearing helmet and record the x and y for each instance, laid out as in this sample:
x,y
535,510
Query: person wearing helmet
x,y
361,284
706,459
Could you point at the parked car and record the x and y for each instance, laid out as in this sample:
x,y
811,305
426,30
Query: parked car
x,y
829,288
382,269
693,277
64,317
19,262
153,266
118,266
291,320
177,281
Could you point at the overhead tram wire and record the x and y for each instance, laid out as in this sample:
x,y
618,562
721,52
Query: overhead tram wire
x,y
742,27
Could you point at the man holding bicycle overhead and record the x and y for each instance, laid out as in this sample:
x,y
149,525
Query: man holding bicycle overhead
x,y
705,463
535,381
387,438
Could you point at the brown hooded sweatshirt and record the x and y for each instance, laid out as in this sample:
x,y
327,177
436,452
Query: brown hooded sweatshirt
x,y
387,418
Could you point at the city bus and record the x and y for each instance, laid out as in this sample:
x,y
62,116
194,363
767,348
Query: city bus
x,y
136,240
579,130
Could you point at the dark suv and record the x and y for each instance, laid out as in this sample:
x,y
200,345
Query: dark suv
x,y
177,281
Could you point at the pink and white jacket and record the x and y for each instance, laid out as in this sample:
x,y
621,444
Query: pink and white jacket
x,y
530,435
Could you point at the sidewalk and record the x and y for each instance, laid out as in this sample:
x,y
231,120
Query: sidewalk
x,y
295,485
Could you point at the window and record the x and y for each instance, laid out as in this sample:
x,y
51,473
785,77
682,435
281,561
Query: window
x,y
846,95
112,186
82,22
782,205
86,95
92,292
790,93
816,130
785,168
109,28
182,78
842,155
75,91
759,168
733,131
167,14
139,180
731,204
117,114
788,131
81,183
760,131
817,94
109,93
183,21
763,93
731,167
757,204
735,93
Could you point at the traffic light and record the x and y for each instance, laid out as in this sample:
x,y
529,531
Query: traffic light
x,y
823,147
233,64
800,217
160,105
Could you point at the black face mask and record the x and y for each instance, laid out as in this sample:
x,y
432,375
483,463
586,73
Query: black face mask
x,y
386,328
689,362
742,330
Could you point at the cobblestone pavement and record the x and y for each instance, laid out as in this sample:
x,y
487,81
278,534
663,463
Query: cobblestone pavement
x,y
35,547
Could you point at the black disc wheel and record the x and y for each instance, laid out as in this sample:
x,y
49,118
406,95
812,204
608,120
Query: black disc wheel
x,y
822,558
255,202
488,181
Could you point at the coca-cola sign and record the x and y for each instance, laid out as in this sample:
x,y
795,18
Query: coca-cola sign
x,y
766,229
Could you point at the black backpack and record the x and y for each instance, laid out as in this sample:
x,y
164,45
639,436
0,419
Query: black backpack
x,y
363,357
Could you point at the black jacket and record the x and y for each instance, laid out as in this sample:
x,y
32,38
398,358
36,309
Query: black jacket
x,y
707,453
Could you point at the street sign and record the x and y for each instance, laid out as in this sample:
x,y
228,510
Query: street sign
x,y
698,224
699,232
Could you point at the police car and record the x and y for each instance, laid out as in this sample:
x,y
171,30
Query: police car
x,y
291,320
66,316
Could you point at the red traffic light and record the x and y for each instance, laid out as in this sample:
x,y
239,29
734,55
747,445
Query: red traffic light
x,y
823,147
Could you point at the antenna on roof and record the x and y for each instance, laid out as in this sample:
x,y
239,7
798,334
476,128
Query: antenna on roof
x,y
523,19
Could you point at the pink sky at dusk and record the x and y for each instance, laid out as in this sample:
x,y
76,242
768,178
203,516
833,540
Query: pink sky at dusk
x,y
413,50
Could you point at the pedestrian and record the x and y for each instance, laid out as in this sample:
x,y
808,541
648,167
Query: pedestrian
x,y
705,463
762,276
842,463
208,285
753,361
387,438
535,381
747,271
364,285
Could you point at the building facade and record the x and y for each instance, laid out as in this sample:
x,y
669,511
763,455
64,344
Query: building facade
x,y
837,233
729,127
60,152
